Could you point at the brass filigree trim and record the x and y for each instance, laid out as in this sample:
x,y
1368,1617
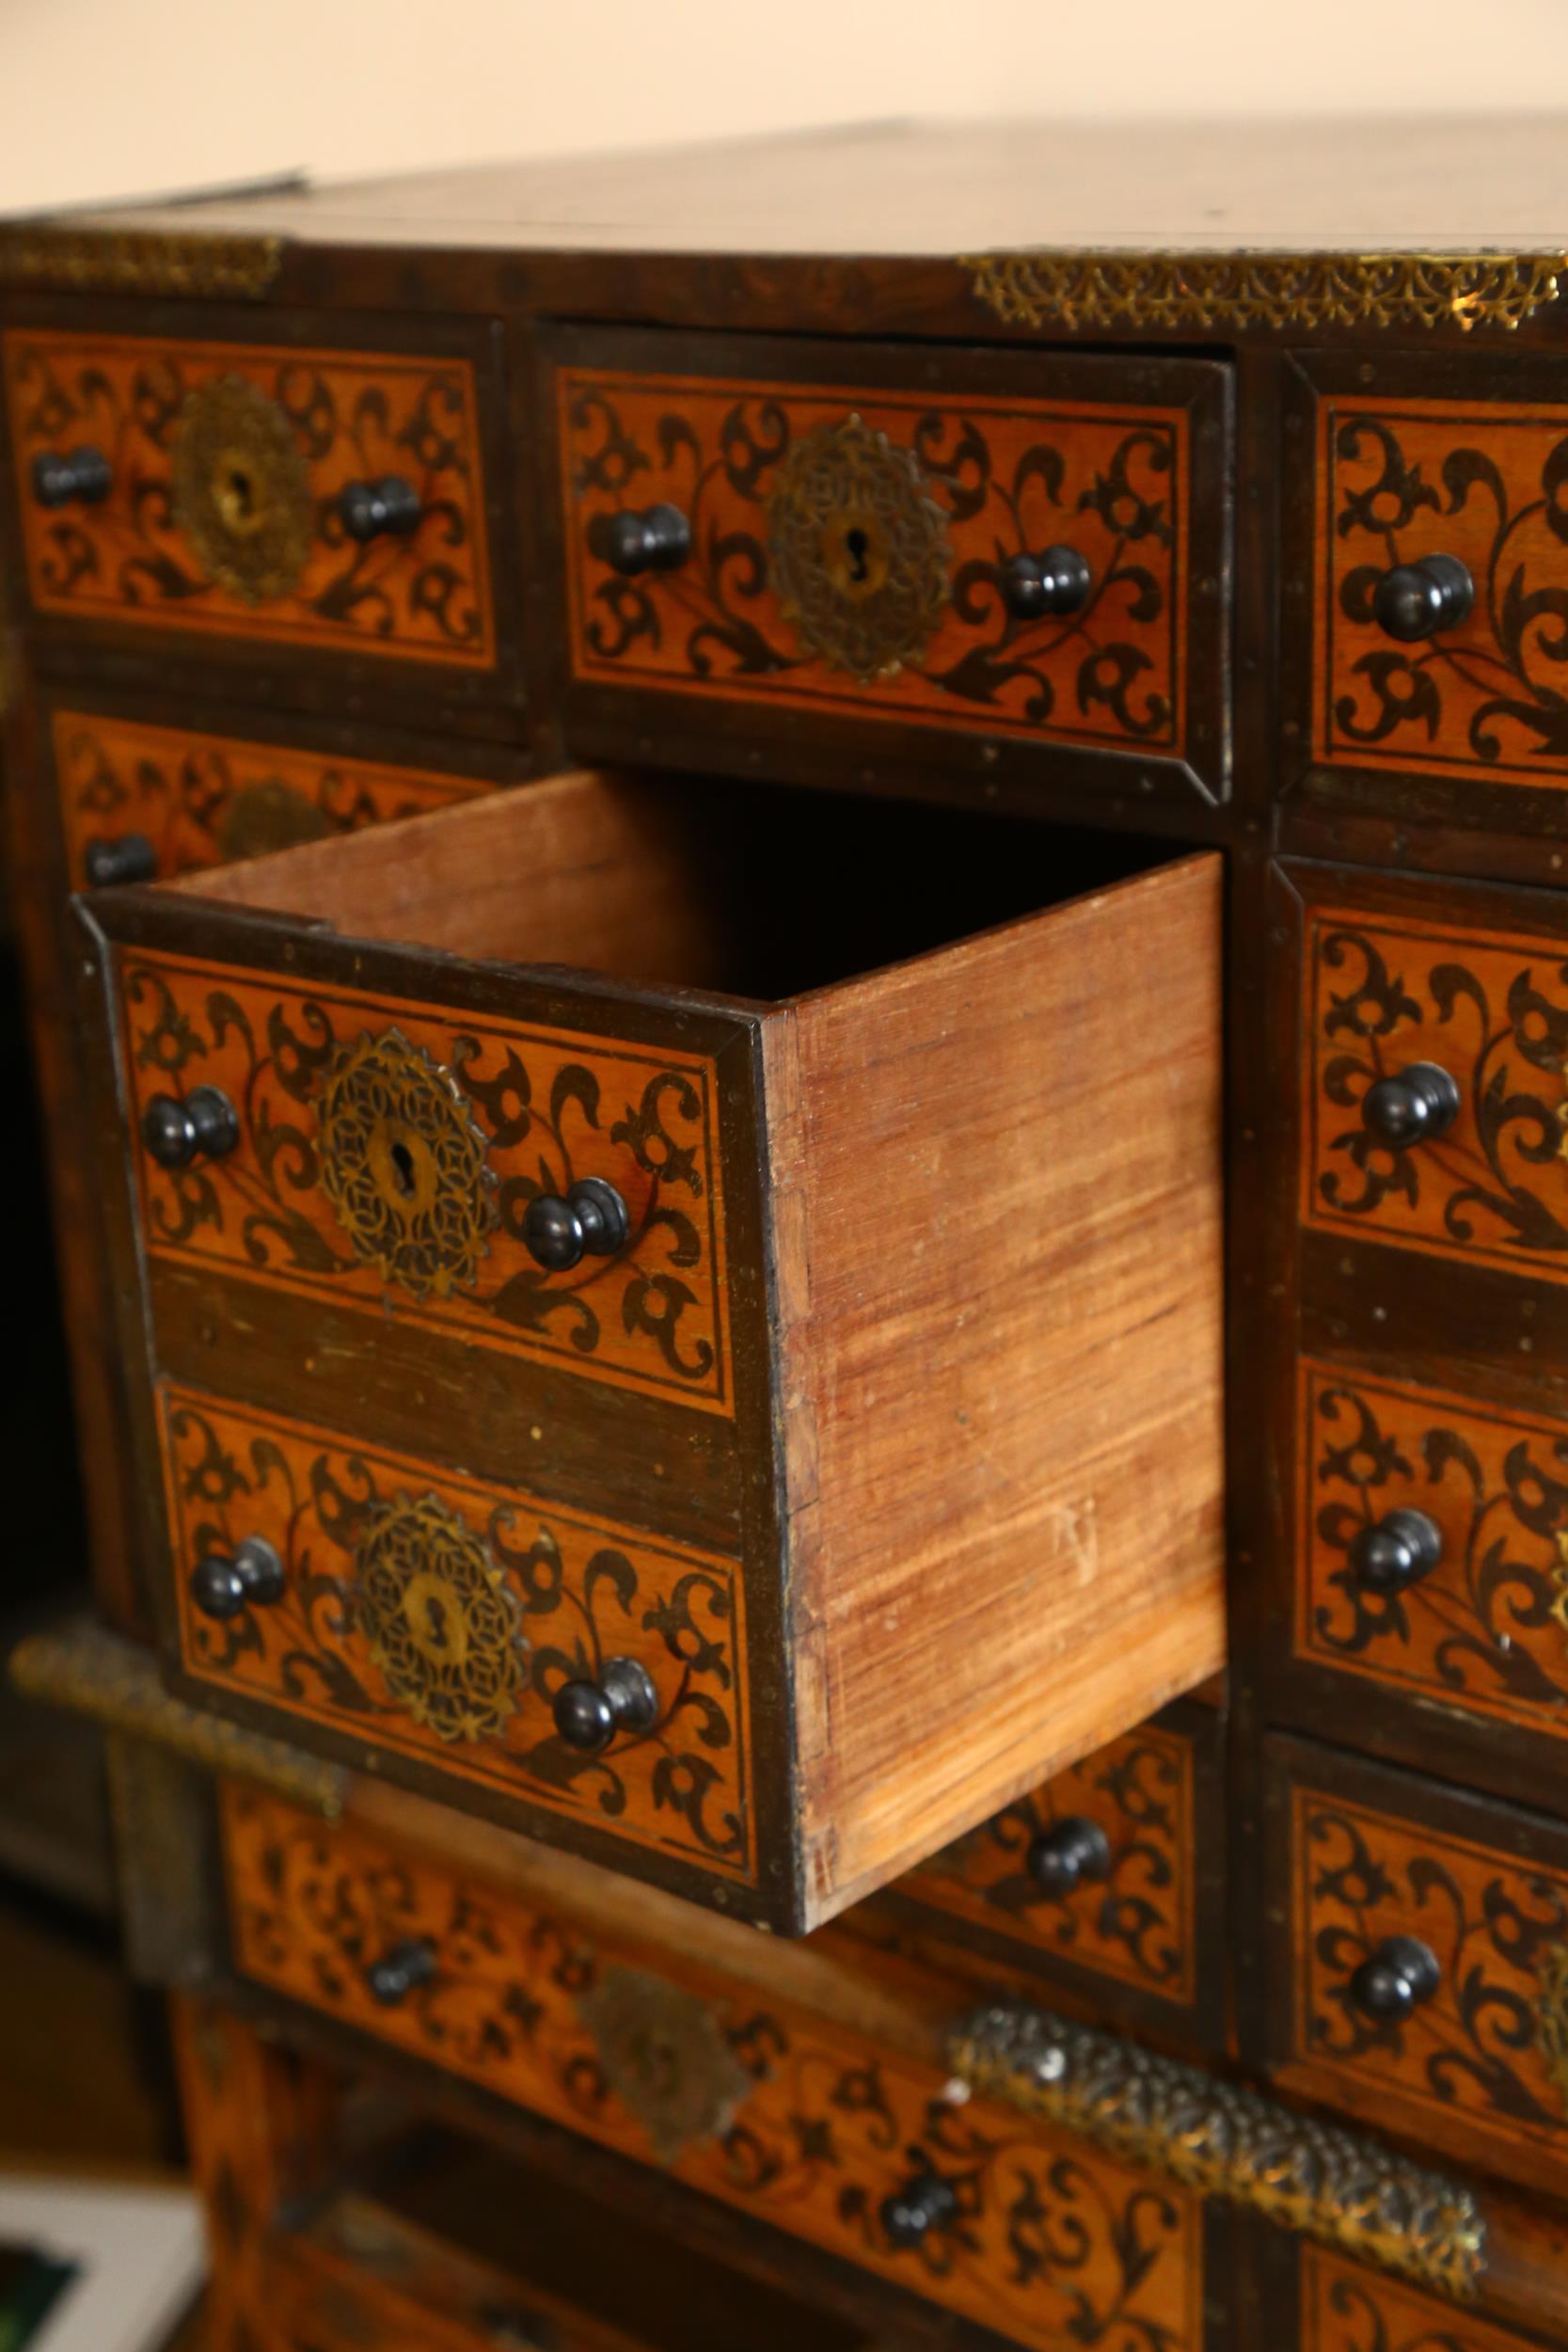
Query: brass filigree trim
x,y
242,491
1228,2142
404,1167
858,551
663,2054
70,260
1551,2018
1077,290
84,1668
441,1621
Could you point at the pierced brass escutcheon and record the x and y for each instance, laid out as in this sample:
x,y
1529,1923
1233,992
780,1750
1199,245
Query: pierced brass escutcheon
x,y
269,815
404,1167
242,491
859,550
440,1619
664,2055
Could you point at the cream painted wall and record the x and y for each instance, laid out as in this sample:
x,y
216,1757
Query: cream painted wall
x,y
107,97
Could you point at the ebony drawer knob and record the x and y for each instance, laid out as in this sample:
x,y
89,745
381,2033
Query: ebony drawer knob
x,y
1058,580
373,510
591,1222
1394,1979
225,1583
657,540
80,477
1417,600
1399,1549
1062,1857
204,1126
1413,1105
400,1970
922,2205
122,857
588,1715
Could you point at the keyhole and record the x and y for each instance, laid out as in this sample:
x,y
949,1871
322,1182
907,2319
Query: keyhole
x,y
240,495
435,1623
857,548
402,1170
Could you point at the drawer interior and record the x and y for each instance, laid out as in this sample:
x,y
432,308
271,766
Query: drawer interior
x,y
755,892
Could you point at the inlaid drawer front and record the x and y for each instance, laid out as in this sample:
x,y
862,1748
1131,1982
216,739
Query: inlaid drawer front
x,y
388,1156
464,1626
1434,1535
754,2099
1022,565
1428,1946
1097,1870
1346,2307
1436,1088
141,803
324,498
1442,592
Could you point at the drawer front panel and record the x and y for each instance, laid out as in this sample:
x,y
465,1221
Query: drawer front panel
x,y
1485,1628
1478,2060
387,1153
1345,2308
756,2102
1129,1912
1400,481
203,799
220,507
436,1619
1488,1008
849,547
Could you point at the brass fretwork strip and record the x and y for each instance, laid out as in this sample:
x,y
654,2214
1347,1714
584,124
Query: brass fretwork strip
x,y
1228,2142
66,259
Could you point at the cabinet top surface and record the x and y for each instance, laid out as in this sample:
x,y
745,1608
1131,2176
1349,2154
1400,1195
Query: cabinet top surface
x,y
1352,185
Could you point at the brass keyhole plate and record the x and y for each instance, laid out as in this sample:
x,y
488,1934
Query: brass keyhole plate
x,y
859,550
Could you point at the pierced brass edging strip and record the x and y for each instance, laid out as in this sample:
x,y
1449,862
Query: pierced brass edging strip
x,y
1280,290
1228,2142
87,1670
70,260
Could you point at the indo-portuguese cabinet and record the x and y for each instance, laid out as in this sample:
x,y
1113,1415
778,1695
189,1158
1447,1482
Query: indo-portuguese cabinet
x,y
801,978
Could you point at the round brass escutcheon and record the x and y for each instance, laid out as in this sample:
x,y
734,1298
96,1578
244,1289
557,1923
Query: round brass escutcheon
x,y
404,1166
440,1620
269,815
242,491
859,550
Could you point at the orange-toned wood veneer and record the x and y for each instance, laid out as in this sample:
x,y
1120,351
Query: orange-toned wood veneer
x,y
784,2110
1486,1629
491,1113
1486,482
1345,2308
425,1614
1480,2065
1489,1007
199,799
349,416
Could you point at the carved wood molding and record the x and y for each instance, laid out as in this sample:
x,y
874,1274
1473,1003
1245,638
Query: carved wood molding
x,y
1231,2143
1077,290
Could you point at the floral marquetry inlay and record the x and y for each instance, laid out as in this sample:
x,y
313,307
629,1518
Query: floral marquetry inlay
x,y
848,548
388,1153
228,462
793,2118
436,1619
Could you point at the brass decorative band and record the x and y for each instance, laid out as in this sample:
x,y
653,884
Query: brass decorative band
x,y
1281,290
83,1667
65,259
1228,2141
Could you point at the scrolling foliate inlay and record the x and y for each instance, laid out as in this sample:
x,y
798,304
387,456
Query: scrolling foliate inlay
x,y
1400,481
1480,2049
1492,1010
1343,2308
775,2112
436,1619
1137,1922
1486,1628
338,1189
801,585
1079,290
203,799
258,548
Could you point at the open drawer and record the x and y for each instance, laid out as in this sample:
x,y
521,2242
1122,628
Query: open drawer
x,y
544,1193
